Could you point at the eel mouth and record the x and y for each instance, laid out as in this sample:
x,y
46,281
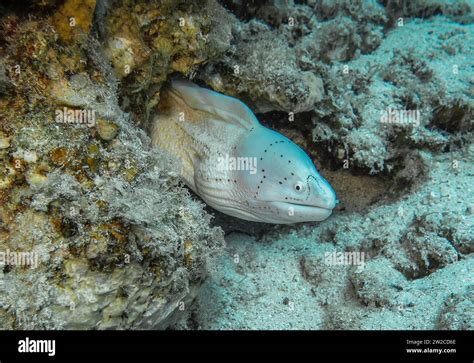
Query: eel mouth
x,y
301,205
304,212
305,206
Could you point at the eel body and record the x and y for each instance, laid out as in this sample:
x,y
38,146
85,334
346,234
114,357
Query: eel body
x,y
234,163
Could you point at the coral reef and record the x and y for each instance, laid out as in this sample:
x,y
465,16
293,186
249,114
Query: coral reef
x,y
146,42
360,67
119,242
379,93
405,187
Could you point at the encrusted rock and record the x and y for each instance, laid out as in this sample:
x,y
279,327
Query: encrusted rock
x,y
107,129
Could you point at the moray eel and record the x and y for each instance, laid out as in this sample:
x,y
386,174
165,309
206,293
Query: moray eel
x,y
234,163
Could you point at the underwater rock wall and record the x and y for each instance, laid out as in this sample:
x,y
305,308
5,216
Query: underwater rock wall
x,y
121,244
115,242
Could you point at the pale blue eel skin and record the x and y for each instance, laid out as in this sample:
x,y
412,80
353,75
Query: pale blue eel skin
x,y
206,131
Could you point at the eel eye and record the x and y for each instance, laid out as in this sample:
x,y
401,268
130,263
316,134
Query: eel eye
x,y
299,186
